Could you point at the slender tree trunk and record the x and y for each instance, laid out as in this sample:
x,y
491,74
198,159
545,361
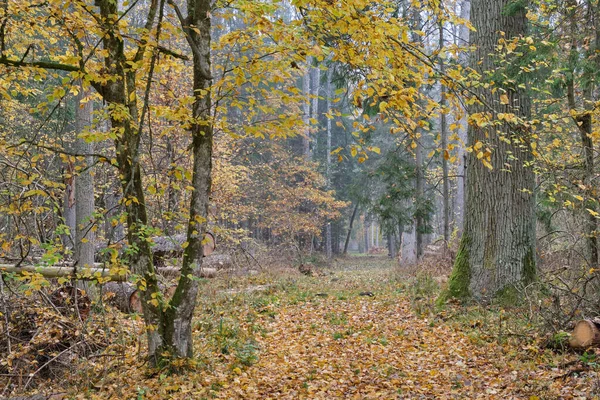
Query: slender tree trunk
x,y
172,193
391,242
350,229
445,153
366,225
119,93
420,178
306,150
69,211
420,195
329,95
463,40
84,190
177,324
497,248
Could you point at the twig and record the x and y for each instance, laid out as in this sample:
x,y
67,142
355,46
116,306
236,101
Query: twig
x,y
31,376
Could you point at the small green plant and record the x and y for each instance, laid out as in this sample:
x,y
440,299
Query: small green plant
x,y
338,335
589,359
559,341
337,318
247,353
141,393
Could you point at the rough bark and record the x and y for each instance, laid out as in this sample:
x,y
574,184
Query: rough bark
x,y
497,248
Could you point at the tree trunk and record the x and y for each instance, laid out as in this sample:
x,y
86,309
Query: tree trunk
x,y
463,40
350,229
583,120
69,210
112,198
329,95
84,189
366,224
306,111
497,248
172,193
445,153
420,178
119,94
585,334
177,322
125,296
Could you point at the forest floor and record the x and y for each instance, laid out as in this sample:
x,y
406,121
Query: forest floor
x,y
360,330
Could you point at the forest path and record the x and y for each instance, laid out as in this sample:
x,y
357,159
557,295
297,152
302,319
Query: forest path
x,y
360,329
327,341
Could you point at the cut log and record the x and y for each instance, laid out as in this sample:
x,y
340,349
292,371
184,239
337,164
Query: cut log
x,y
585,334
217,261
66,271
125,296
172,246
210,267
173,272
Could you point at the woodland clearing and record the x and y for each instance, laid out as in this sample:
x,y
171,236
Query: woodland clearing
x,y
361,329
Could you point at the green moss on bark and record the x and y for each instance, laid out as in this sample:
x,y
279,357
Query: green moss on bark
x,y
460,279
529,267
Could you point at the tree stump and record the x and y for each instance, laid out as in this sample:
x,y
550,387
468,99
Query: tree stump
x,y
585,334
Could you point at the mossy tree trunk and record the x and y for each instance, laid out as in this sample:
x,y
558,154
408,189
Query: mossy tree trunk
x,y
497,248
177,321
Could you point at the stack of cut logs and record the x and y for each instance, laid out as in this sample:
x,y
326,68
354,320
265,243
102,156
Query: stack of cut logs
x,y
586,334
124,295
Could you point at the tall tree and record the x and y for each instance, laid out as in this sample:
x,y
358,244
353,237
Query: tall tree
x,y
444,143
497,248
329,94
177,322
462,40
84,184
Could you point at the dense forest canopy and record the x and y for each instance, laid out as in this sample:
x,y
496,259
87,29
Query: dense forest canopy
x,y
149,145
